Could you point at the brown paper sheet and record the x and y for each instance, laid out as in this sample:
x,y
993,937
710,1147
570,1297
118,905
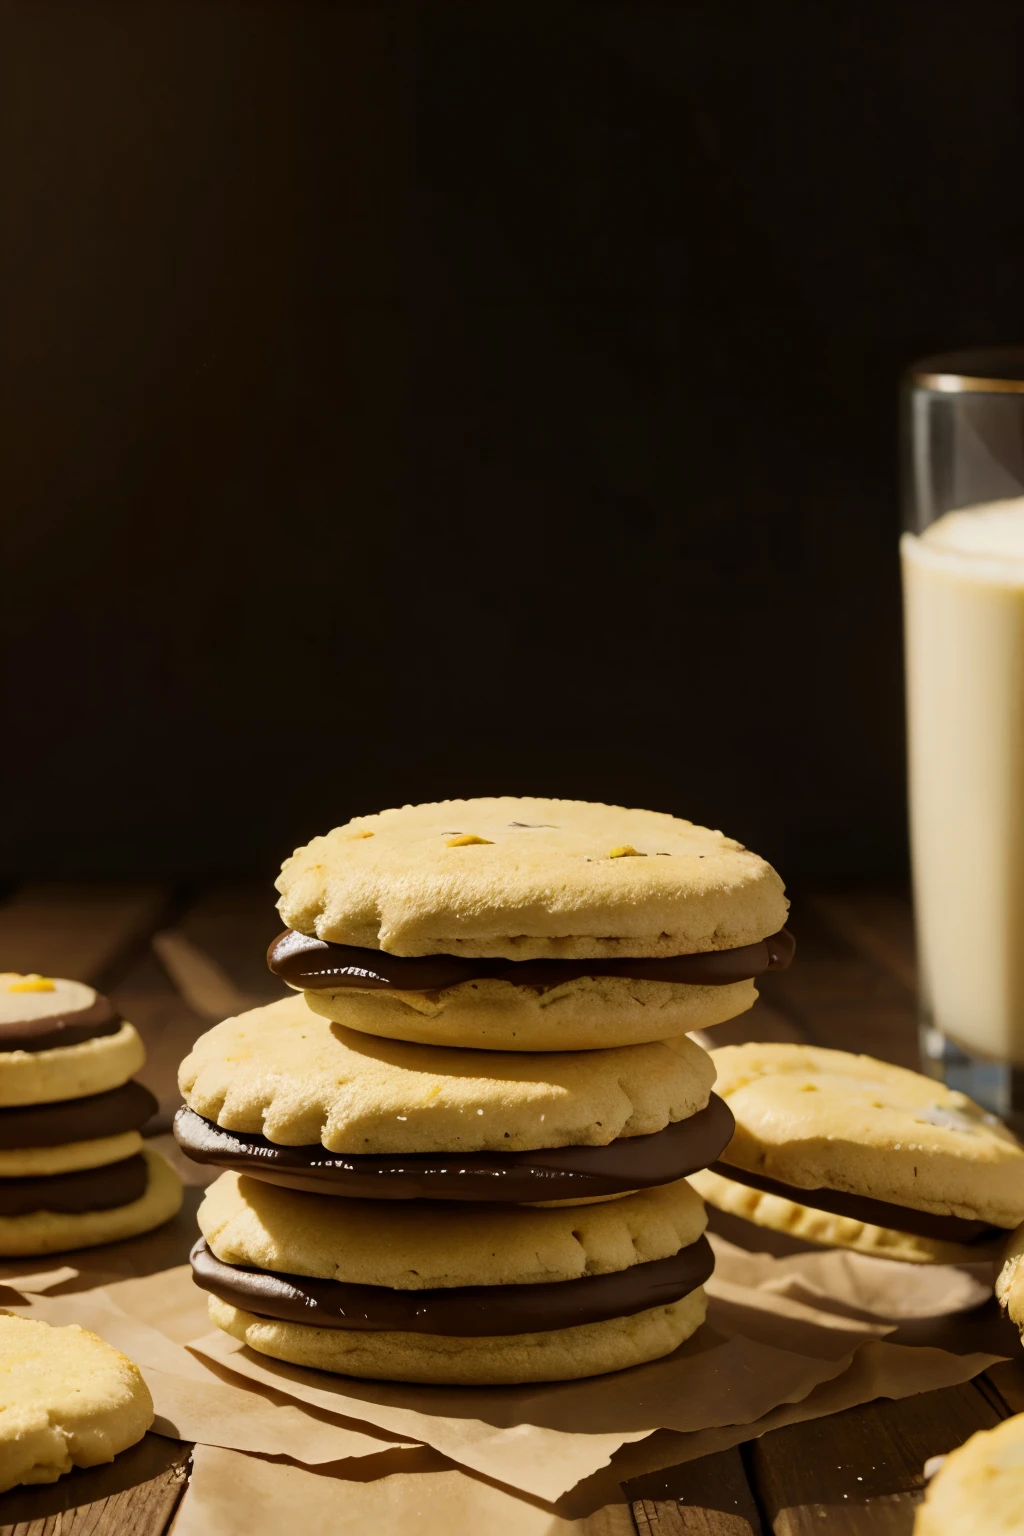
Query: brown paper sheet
x,y
781,1334
194,1403
421,1491
32,1280
879,1369
545,1439
240,1495
877,1287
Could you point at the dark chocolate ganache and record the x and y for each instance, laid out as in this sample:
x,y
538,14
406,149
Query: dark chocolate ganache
x,y
87,1189
60,1027
876,1213
558,1173
469,1311
316,965
99,1114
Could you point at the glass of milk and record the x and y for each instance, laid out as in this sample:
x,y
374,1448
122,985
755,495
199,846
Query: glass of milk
x,y
963,592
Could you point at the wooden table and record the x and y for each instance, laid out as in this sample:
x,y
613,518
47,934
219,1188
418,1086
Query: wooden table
x,y
176,961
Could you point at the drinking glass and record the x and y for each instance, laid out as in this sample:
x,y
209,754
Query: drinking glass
x,y
962,555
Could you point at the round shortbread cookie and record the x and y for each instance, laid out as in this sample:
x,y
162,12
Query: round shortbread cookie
x,y
420,1245
1010,1284
285,1073
29,1162
564,1354
68,1400
529,879
823,1119
590,1013
979,1488
831,1231
70,1071
51,1232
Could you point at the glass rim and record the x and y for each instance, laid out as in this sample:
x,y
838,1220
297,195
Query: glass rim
x,y
973,370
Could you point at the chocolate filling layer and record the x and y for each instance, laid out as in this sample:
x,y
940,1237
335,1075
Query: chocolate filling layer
x,y
877,1213
468,1311
559,1173
57,1029
88,1189
318,966
100,1114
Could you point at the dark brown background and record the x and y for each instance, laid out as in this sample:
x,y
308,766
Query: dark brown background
x,y
411,400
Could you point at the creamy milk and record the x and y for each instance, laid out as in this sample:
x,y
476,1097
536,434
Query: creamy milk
x,y
963,583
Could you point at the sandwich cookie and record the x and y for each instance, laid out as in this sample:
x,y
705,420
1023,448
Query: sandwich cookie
x,y
73,1169
452,1293
68,1400
528,925
284,1096
844,1150
979,1487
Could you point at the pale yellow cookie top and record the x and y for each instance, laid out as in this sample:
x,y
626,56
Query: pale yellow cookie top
x,y
29,997
414,1245
529,879
979,1489
817,1118
68,1399
286,1073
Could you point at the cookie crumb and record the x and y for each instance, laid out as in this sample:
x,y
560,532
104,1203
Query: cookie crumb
x,y
626,851
465,839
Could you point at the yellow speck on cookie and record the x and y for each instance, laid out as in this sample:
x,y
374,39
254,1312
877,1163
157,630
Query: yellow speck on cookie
x,y
626,851
31,983
464,840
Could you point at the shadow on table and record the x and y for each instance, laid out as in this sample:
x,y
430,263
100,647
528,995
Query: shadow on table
x,y
147,1254
155,1456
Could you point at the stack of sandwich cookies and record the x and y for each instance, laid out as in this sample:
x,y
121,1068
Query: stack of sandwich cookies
x,y
73,1169
506,1041
471,1171
848,1151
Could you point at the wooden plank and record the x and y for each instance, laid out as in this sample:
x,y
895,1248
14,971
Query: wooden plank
x,y
708,1497
877,923
167,1024
1006,1381
135,1495
77,929
233,924
840,997
762,1022
862,1471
